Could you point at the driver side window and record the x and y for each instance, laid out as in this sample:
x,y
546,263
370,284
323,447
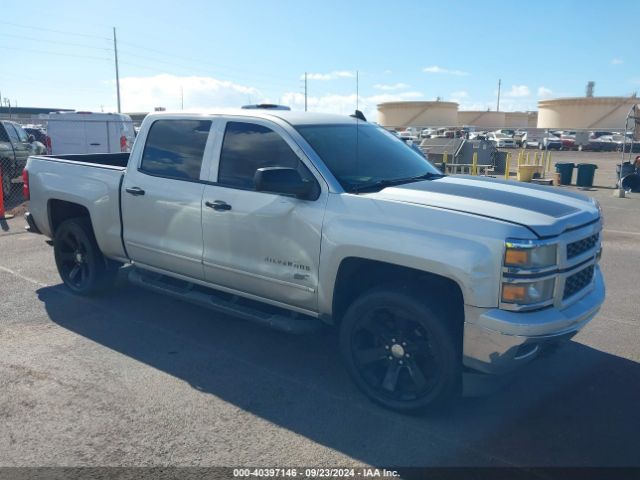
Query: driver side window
x,y
247,147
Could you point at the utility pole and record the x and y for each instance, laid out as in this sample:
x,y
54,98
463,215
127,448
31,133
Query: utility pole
x,y
115,51
181,98
357,88
305,91
499,84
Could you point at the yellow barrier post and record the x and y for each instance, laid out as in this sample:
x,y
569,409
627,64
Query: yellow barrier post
x,y
445,159
535,158
507,166
548,161
474,165
527,158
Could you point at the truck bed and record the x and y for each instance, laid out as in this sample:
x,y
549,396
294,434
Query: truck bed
x,y
91,181
105,159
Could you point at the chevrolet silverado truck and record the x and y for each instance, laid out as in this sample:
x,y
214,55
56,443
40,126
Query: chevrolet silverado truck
x,y
295,220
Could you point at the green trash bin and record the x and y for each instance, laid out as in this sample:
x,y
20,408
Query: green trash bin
x,y
586,172
566,172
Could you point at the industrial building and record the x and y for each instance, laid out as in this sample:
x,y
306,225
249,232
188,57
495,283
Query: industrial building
x,y
28,115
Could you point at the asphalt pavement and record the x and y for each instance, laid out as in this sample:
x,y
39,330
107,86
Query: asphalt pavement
x,y
133,378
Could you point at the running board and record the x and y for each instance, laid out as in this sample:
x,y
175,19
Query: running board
x,y
278,319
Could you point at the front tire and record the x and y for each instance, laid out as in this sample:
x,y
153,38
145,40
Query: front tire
x,y
80,262
400,351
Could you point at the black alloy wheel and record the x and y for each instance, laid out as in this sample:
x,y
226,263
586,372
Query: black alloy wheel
x,y
80,263
399,352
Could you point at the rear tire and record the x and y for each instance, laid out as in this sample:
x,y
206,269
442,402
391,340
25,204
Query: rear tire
x,y
81,265
400,351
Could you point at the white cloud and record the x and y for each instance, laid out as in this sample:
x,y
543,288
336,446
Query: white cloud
x,y
395,86
518,91
323,77
437,69
146,93
616,61
544,92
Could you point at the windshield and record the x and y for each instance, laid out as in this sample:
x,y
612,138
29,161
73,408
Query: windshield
x,y
364,155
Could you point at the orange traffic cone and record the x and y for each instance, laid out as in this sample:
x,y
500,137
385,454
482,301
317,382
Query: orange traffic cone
x,y
3,216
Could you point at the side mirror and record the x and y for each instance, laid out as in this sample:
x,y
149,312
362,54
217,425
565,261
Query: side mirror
x,y
285,181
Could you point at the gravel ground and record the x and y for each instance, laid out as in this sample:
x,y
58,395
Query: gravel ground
x,y
133,378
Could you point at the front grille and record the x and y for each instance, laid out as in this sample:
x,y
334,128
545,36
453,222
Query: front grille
x,y
577,282
576,248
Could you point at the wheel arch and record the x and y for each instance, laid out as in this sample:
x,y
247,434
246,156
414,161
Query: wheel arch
x,y
60,210
357,275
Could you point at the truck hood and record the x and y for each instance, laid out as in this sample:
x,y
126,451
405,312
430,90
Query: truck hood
x,y
547,211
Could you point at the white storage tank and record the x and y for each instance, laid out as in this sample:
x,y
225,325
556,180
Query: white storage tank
x,y
585,112
418,114
516,119
482,118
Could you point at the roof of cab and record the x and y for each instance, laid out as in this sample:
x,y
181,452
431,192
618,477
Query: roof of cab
x,y
295,118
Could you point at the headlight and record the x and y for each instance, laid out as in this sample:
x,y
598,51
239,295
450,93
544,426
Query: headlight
x,y
529,254
528,293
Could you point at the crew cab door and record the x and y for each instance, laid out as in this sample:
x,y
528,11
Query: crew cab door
x,y
264,244
162,196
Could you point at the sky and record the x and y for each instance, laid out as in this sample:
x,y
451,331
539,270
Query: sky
x,y
198,54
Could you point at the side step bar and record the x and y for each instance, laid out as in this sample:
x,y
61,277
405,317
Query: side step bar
x,y
278,318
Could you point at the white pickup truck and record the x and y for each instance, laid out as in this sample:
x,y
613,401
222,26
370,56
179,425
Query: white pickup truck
x,y
296,219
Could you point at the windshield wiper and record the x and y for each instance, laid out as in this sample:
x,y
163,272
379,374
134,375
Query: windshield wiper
x,y
380,184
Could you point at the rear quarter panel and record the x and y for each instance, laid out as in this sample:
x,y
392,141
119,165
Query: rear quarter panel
x,y
95,187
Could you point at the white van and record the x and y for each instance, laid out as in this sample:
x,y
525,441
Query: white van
x,y
88,132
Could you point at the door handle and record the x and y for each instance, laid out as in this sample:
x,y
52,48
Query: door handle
x,y
95,144
135,191
218,205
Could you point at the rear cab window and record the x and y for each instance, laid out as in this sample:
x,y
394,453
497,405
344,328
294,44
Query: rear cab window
x,y
175,149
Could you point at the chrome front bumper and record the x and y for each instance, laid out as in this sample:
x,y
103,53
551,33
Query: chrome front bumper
x,y
498,341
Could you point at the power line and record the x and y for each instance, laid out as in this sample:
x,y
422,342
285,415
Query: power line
x,y
20,49
193,60
55,41
63,32
221,70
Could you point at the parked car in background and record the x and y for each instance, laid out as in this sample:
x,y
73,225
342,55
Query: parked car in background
x,y
501,140
600,133
87,132
509,132
518,136
408,135
551,142
617,142
40,135
15,148
428,132
602,143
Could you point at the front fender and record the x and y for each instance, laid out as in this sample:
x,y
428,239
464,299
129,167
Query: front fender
x,y
464,248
